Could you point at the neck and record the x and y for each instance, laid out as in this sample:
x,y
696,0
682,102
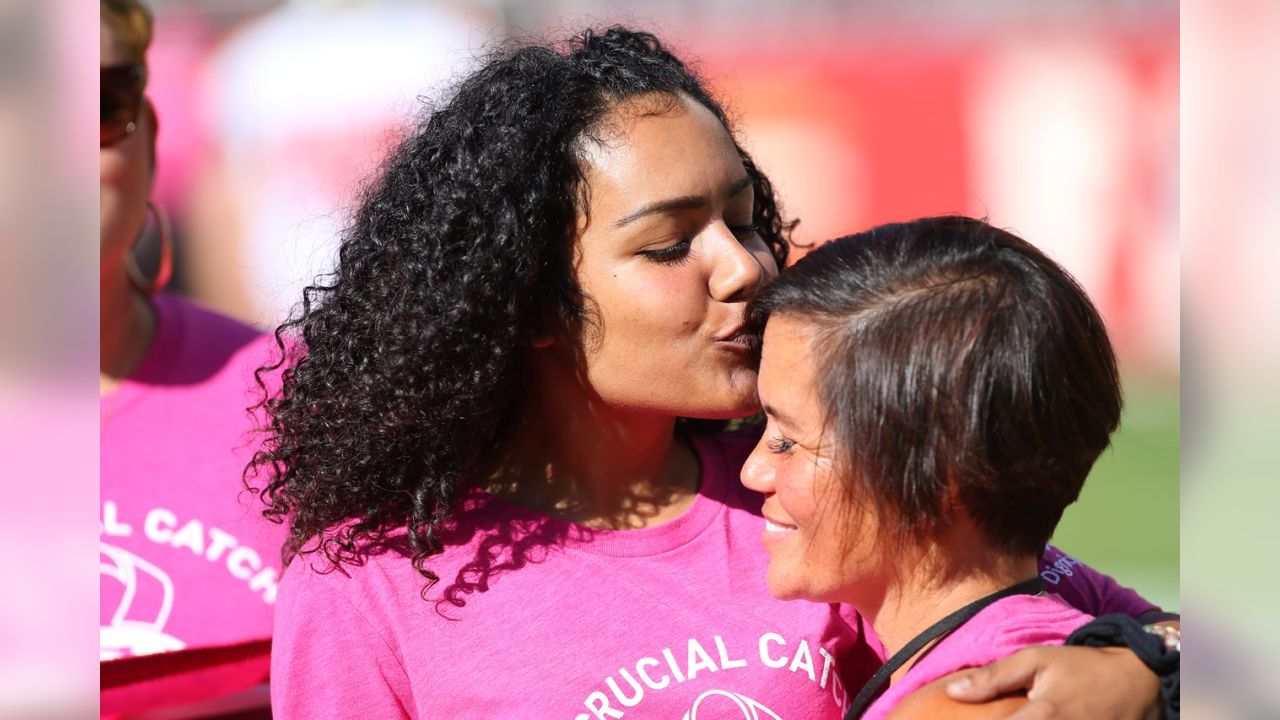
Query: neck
x,y
937,586
573,456
127,324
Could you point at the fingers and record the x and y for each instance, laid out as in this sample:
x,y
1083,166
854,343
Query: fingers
x,y
1011,674
965,688
1042,710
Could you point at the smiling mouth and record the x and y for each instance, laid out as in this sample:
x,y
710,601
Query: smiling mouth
x,y
773,527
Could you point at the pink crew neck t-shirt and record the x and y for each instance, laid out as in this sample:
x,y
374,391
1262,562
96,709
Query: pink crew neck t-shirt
x,y
535,617
188,566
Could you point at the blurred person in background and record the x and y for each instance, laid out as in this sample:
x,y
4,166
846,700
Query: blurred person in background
x,y
23,77
188,574
936,393
500,441
298,105
47,438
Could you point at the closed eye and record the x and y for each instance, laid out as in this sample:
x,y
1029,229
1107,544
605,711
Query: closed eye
x,y
780,445
670,255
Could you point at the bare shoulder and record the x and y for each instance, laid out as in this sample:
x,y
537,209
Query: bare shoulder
x,y
931,701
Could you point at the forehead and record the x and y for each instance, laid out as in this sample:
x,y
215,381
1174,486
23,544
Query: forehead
x,y
654,147
788,373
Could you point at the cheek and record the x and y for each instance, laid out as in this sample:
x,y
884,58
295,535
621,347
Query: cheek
x,y
123,189
795,495
805,491
646,307
767,263
853,551
834,530
652,345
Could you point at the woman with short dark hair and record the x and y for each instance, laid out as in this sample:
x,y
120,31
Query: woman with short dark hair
x,y
936,393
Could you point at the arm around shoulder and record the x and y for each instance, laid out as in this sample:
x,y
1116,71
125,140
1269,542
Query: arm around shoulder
x,y
1091,591
932,701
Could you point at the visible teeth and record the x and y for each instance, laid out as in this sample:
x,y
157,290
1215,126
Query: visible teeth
x,y
774,527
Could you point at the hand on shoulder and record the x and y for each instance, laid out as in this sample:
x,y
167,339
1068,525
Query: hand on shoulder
x,y
932,701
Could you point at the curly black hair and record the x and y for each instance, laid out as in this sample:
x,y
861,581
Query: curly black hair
x,y
397,371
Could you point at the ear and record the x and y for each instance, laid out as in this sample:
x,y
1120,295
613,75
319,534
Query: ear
x,y
153,132
542,341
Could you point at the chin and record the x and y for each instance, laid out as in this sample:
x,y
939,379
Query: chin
x,y
732,402
784,589
741,397
804,587
722,414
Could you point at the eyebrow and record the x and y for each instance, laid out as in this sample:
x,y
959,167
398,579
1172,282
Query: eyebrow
x,y
779,415
686,202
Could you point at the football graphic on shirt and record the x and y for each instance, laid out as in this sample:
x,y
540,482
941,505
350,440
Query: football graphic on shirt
x,y
719,705
142,595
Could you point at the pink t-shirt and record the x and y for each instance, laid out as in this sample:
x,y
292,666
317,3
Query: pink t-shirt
x,y
999,630
535,617
188,565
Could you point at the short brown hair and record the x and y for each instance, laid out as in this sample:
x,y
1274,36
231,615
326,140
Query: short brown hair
x,y
953,352
130,23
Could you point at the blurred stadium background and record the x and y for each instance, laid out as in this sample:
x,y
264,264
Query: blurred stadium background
x,y
1057,119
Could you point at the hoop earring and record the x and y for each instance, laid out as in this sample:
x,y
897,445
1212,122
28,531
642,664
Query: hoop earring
x,y
164,272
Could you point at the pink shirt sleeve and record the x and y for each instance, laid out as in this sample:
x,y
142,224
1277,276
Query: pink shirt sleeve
x,y
1088,590
996,632
327,659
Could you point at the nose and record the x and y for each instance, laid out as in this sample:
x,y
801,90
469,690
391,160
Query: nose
x,y
741,267
757,472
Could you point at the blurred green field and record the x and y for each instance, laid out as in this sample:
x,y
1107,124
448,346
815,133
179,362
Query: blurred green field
x,y
1126,520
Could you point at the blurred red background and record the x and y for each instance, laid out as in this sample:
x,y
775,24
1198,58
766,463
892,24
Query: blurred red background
x,y
1057,121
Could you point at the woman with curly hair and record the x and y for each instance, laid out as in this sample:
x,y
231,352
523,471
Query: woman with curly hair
x,y
499,435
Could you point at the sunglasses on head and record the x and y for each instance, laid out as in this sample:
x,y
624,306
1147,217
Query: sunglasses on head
x,y
122,87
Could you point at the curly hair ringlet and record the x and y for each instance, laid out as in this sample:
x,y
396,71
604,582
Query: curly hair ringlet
x,y
396,371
